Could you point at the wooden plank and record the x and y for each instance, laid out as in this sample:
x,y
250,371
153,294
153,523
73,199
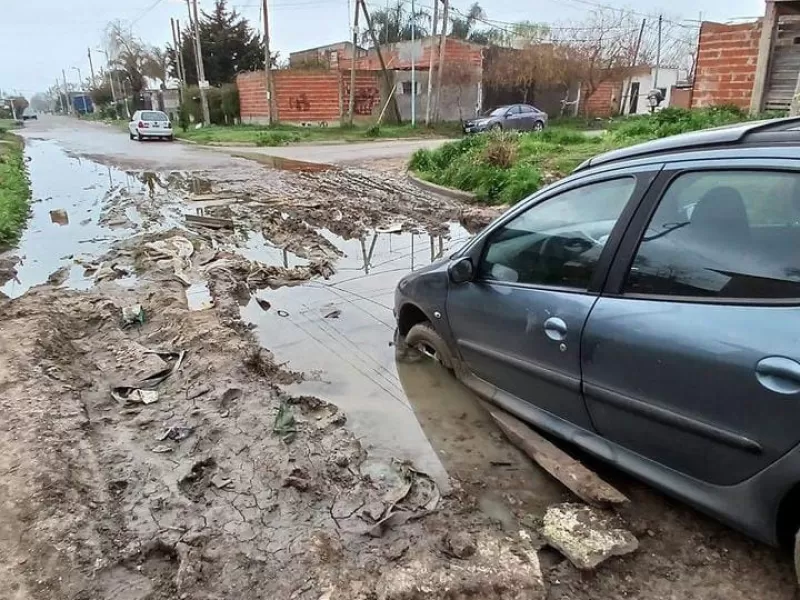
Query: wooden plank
x,y
582,482
210,222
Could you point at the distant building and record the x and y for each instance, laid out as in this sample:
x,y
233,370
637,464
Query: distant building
x,y
325,56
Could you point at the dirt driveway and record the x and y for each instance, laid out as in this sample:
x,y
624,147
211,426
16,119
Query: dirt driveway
x,y
201,400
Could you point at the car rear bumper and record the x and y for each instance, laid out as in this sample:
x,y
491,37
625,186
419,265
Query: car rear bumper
x,y
151,132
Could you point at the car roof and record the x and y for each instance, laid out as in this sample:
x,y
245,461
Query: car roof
x,y
771,132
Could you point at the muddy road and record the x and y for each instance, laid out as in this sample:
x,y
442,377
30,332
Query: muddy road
x,y
201,400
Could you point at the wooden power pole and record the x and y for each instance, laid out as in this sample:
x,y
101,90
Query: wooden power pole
x,y
352,101
273,110
198,52
91,65
430,66
442,44
387,80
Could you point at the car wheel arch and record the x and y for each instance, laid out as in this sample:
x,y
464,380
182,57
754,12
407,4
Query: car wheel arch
x,y
410,314
787,521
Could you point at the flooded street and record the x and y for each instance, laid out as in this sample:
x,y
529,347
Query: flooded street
x,y
201,400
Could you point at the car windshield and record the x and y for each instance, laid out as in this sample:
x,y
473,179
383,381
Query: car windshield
x,y
154,115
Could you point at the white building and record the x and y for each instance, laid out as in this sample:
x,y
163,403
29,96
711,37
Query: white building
x,y
644,79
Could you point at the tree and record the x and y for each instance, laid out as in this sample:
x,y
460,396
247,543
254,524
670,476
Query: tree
x,y
463,27
230,46
129,57
394,23
156,66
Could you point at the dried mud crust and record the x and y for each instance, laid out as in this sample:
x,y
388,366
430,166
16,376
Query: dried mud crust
x,y
207,492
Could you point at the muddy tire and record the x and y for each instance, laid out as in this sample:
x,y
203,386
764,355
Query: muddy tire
x,y
538,126
423,338
797,556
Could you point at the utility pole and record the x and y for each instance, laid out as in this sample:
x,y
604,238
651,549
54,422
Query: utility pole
x,y
273,110
66,92
442,44
430,66
658,55
198,51
413,67
60,97
91,64
626,99
352,102
387,80
177,47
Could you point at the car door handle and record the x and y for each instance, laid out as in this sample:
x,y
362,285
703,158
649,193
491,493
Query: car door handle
x,y
555,329
779,374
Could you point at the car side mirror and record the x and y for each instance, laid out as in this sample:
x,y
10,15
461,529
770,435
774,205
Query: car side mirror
x,y
462,270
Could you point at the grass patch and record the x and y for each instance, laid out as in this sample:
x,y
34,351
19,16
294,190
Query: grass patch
x,y
8,125
503,168
14,189
281,135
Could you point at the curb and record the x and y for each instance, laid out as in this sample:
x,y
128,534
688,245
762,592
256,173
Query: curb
x,y
441,190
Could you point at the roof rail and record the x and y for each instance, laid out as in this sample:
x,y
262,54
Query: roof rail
x,y
728,135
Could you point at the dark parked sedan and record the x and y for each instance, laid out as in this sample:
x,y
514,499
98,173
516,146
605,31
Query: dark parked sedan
x,y
646,309
516,117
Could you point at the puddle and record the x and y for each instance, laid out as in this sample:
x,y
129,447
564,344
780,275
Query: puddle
x,y
257,247
286,164
68,195
339,331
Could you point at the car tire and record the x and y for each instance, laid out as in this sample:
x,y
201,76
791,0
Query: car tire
x,y
797,556
495,127
139,137
133,137
423,338
538,126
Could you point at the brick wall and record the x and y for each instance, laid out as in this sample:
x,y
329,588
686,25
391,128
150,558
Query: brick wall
x,y
726,64
307,96
604,102
398,55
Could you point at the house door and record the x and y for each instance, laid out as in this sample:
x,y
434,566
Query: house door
x,y
634,98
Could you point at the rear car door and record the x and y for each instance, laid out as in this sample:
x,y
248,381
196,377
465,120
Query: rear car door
x,y
517,324
527,117
513,118
692,356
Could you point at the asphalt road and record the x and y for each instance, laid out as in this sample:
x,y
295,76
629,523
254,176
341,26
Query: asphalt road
x,y
108,144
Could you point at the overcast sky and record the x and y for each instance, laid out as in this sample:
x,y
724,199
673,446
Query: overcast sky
x,y
39,38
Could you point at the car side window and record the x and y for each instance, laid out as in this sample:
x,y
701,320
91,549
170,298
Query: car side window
x,y
514,110
723,234
557,242
526,109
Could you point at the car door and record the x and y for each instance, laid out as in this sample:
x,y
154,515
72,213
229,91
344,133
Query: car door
x,y
512,118
517,324
692,356
527,117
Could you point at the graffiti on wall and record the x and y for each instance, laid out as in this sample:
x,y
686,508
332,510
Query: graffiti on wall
x,y
301,103
366,101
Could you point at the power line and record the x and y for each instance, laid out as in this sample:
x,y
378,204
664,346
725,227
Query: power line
x,y
145,11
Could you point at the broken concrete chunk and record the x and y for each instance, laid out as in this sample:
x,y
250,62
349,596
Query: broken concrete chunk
x,y
586,536
498,570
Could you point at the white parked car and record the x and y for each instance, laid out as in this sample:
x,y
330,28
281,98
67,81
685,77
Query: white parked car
x,y
150,124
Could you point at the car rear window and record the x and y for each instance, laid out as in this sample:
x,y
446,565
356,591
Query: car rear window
x,y
154,115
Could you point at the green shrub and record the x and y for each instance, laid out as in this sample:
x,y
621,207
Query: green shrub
x,y
14,194
276,138
373,132
565,137
501,149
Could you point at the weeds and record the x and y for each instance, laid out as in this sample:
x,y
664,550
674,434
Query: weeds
x,y
506,167
14,191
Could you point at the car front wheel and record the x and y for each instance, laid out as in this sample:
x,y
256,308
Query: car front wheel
x,y
496,127
423,338
538,126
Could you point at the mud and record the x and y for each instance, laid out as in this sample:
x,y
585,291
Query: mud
x,y
288,455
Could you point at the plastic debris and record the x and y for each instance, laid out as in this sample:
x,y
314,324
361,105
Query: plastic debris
x,y
129,395
132,315
285,424
162,449
176,433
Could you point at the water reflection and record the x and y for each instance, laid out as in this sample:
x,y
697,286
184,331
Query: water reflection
x,y
349,359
